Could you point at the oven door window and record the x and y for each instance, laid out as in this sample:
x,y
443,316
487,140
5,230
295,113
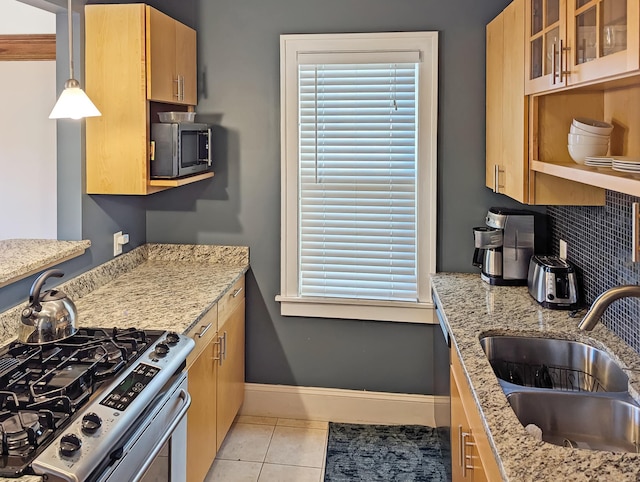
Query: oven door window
x,y
194,148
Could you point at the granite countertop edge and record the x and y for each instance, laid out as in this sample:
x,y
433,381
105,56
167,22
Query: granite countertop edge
x,y
471,309
20,258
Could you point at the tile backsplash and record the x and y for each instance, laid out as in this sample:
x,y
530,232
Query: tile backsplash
x,y
599,245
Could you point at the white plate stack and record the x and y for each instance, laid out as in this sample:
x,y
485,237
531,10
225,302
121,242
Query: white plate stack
x,y
602,163
588,138
628,165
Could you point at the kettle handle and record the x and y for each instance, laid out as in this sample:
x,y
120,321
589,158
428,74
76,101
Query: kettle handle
x,y
34,294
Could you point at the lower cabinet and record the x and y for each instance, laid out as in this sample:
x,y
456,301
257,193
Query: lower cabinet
x,y
471,456
230,372
202,366
216,380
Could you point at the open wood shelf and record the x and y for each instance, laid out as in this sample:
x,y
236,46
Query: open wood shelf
x,y
180,182
609,179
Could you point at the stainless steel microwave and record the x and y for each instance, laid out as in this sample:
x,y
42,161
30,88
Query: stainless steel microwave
x,y
179,149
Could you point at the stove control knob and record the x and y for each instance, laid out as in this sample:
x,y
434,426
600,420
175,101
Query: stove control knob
x,y
91,422
172,338
69,444
162,349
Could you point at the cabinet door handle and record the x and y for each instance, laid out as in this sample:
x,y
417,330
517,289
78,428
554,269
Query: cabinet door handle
x,y
467,459
218,353
496,178
554,61
203,330
177,82
182,89
564,55
460,447
236,292
224,346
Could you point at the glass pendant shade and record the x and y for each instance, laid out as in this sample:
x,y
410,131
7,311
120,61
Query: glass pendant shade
x,y
73,103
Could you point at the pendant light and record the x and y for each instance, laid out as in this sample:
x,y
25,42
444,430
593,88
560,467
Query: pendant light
x,y
73,103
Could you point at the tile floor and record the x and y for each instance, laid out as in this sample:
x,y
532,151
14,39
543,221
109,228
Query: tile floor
x,y
262,449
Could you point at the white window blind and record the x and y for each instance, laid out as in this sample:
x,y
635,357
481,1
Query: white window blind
x,y
357,180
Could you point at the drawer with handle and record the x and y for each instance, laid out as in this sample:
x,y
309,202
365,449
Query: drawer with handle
x,y
230,300
202,333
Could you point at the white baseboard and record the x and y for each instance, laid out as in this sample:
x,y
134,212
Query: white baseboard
x,y
346,406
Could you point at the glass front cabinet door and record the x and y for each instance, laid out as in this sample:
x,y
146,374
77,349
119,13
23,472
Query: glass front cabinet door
x,y
546,43
603,36
571,42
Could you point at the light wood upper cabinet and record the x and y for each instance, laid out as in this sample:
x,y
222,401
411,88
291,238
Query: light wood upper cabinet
x,y
508,119
121,53
171,60
506,155
186,63
574,42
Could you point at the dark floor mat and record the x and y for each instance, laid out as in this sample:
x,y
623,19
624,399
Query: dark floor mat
x,y
406,453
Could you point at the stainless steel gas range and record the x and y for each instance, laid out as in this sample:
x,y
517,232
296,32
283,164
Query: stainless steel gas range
x,y
97,406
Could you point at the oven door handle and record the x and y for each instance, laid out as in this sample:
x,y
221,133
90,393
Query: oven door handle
x,y
184,395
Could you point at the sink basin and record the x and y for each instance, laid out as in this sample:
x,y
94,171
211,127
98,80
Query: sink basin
x,y
580,420
553,364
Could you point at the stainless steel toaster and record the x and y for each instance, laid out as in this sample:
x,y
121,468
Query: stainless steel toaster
x,y
552,282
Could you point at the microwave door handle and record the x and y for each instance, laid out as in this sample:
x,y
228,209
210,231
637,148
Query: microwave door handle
x,y
209,147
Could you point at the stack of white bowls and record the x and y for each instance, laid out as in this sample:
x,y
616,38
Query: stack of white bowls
x,y
588,138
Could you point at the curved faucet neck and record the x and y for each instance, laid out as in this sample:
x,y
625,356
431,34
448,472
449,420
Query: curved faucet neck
x,y
603,301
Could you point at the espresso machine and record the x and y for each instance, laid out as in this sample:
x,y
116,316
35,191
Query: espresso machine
x,y
504,247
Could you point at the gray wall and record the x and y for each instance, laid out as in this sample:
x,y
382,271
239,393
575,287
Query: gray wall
x,y
239,63
238,58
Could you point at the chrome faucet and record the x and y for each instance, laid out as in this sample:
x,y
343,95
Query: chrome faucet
x,y
603,301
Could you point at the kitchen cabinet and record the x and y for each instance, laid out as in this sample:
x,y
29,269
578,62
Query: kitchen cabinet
x,y
202,366
126,72
573,42
231,333
216,379
471,457
506,116
171,60
507,121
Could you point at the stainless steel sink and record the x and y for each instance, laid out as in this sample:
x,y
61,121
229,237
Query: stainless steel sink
x,y
580,420
553,364
575,393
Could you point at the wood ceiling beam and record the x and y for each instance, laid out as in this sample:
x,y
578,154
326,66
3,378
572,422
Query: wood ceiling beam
x,y
28,47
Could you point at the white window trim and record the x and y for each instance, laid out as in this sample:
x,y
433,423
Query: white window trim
x,y
290,47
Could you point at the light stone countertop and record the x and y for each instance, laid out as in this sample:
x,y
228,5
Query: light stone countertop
x,y
472,308
155,286
20,258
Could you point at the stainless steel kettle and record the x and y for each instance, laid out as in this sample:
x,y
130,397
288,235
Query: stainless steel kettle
x,y
49,316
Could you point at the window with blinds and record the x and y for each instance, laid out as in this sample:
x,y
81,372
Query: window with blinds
x,y
359,152
357,184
